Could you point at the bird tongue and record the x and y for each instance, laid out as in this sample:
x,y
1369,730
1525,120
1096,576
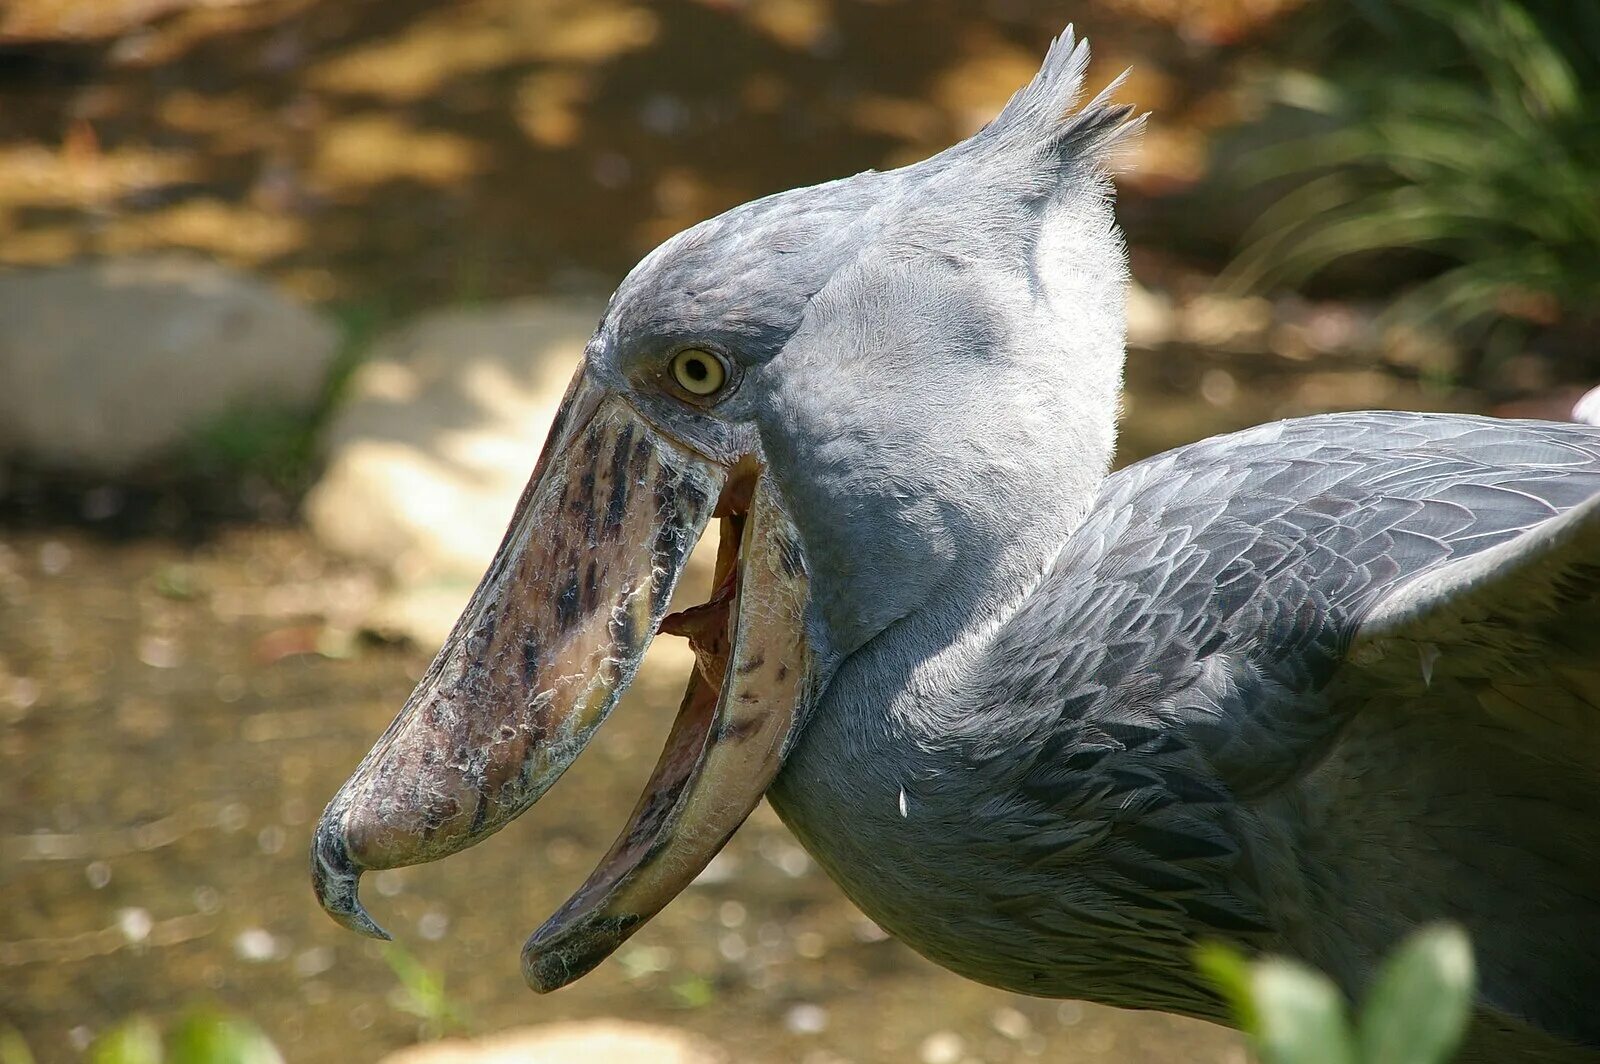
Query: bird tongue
x,y
709,626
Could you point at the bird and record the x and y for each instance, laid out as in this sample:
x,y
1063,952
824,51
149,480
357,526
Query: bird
x,y
1299,689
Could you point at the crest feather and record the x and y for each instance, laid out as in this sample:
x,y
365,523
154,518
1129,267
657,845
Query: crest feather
x,y
1043,115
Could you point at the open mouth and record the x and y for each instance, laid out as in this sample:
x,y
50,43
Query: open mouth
x,y
709,626
553,635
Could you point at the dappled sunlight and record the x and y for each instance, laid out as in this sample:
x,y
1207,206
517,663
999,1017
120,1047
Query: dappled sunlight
x,y
355,153
1212,22
986,71
466,38
524,143
82,175
233,232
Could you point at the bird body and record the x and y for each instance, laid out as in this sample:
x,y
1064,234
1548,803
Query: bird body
x,y
1164,739
1301,688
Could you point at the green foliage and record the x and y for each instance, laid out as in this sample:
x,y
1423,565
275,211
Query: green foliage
x,y
215,1038
134,1041
1465,130
1294,1015
202,1037
421,993
1421,1001
1415,1012
13,1047
273,443
693,992
179,583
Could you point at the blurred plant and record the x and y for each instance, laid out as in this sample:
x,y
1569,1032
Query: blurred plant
x,y
1415,1011
421,994
216,1038
134,1041
13,1047
180,583
275,444
1467,130
693,992
202,1037
641,962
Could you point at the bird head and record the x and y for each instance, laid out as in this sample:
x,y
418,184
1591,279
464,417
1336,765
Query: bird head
x,y
865,382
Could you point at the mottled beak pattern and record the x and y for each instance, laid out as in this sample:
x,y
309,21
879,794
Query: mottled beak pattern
x,y
553,635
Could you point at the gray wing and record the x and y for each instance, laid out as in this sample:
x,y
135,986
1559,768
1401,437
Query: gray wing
x,y
1475,743
1224,690
1499,602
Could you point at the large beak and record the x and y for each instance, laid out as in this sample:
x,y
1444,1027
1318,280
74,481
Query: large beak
x,y
551,638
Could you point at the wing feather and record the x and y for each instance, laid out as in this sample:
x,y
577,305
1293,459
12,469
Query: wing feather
x,y
1473,754
1543,573
1355,661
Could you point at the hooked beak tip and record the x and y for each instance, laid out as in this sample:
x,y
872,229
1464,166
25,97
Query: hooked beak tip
x,y
546,972
336,877
558,954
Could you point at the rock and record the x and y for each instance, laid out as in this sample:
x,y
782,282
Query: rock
x,y
1587,408
1216,320
438,434
1570,403
109,364
579,1042
1151,318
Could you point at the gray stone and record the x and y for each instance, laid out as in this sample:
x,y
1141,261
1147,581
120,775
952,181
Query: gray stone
x,y
429,452
438,433
1151,318
1587,408
106,365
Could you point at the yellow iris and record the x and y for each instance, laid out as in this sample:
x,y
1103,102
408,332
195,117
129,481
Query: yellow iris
x,y
698,372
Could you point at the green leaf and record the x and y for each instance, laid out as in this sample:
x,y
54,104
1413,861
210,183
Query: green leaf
x,y
1294,1015
1418,1008
1229,972
212,1038
693,992
134,1041
1460,130
421,993
1301,1015
13,1047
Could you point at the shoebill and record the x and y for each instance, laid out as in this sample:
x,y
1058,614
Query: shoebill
x,y
1300,688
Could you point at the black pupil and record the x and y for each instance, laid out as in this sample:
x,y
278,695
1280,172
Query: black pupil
x,y
695,369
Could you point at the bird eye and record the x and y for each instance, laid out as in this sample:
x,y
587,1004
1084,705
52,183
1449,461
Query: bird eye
x,y
698,372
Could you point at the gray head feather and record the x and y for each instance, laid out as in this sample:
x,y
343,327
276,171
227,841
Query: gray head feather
x,y
1040,117
932,356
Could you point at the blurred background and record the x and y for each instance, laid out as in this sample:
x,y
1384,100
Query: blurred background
x,y
289,289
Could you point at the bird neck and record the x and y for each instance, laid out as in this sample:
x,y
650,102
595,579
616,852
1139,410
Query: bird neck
x,y
1019,510
906,615
1051,439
